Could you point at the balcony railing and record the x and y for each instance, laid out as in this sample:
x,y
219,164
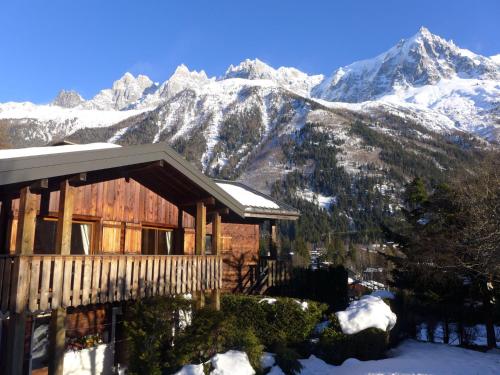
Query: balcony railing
x,y
43,282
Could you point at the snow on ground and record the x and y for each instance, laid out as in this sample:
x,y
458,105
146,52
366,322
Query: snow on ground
x,y
476,335
320,200
50,150
413,357
384,294
365,313
267,360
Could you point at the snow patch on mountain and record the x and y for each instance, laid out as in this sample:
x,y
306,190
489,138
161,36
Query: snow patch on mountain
x,y
289,78
124,92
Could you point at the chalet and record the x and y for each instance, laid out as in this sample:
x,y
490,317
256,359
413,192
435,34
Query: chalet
x,y
86,228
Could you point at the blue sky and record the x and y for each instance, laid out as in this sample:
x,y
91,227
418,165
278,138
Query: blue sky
x,y
86,45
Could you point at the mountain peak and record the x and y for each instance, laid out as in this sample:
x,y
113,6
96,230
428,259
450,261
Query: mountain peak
x,y
423,59
250,69
424,31
68,99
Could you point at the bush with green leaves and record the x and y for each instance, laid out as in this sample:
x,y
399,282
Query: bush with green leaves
x,y
284,321
245,323
149,325
212,332
335,346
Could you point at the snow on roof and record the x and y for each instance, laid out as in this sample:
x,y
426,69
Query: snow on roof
x,y
246,197
368,312
50,150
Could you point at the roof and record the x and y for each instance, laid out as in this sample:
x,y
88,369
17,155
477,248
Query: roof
x,y
156,166
257,204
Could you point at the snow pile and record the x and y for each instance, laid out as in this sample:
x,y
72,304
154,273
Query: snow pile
x,y
384,294
368,312
232,362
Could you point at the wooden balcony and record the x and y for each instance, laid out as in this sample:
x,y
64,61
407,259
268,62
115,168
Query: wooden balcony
x,y
34,283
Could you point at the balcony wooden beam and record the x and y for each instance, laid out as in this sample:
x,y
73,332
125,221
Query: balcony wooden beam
x,y
200,228
25,238
64,218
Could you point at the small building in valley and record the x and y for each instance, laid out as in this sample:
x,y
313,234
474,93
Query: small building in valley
x,y
86,228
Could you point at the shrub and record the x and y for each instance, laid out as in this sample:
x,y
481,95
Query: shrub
x,y
213,332
149,326
283,321
335,346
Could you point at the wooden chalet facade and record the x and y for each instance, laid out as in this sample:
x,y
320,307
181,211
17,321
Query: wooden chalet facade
x,y
84,228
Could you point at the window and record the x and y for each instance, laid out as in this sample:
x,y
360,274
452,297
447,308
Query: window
x,y
208,244
45,237
156,241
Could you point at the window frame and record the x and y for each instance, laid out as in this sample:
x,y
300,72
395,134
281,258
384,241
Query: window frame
x,y
93,228
157,230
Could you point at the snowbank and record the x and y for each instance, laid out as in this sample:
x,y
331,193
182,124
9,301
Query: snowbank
x,y
368,312
232,362
412,357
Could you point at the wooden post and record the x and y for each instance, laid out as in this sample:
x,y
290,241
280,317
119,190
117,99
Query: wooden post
x,y
199,298
25,239
201,228
200,235
64,219
16,335
179,233
16,332
57,339
5,216
272,240
216,249
216,233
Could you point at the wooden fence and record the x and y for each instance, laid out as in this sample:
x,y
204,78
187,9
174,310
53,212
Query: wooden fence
x,y
44,282
266,274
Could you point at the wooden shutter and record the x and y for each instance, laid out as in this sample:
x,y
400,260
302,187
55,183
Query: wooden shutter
x,y
133,238
227,243
111,234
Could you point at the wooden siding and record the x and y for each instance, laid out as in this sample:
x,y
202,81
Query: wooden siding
x,y
118,200
240,251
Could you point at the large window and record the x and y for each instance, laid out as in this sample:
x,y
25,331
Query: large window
x,y
156,241
45,237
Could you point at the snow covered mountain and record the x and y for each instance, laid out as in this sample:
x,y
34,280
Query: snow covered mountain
x,y
362,132
425,80
424,59
428,76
